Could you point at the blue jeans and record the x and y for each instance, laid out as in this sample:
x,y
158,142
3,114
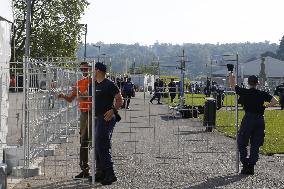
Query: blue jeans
x,y
252,129
103,134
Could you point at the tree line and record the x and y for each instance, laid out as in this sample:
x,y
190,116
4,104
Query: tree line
x,y
146,58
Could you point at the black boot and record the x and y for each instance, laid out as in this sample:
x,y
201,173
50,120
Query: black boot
x,y
247,169
83,174
99,176
85,171
244,170
109,177
250,169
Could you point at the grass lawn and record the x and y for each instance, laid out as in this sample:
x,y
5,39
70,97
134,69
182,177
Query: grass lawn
x,y
274,129
225,121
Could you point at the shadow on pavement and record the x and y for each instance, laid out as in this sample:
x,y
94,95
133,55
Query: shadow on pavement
x,y
170,118
68,184
218,181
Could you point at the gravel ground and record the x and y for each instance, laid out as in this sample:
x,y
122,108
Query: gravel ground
x,y
160,153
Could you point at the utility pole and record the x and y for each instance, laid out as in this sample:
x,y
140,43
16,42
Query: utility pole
x,y
99,47
85,45
133,66
158,66
182,70
110,67
85,51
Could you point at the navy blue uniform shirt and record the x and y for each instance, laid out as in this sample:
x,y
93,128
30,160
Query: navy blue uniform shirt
x,y
253,99
105,93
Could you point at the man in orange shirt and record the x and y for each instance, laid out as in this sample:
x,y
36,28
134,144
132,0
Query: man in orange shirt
x,y
85,104
12,86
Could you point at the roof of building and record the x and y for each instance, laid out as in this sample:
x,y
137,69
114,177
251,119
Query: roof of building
x,y
274,68
6,10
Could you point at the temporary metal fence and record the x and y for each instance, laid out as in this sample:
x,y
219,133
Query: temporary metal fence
x,y
38,120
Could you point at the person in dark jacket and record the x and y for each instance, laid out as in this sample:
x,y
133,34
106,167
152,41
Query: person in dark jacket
x,y
253,124
280,92
157,93
127,92
172,90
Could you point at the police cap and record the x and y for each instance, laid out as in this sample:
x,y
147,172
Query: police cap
x,y
252,80
100,66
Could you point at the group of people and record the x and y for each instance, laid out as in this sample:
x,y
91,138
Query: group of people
x,y
159,90
127,89
108,101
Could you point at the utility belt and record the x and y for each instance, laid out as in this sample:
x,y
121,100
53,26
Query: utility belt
x,y
254,115
117,117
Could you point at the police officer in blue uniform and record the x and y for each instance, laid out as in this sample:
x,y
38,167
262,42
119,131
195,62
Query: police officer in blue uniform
x,y
252,125
128,90
157,93
106,94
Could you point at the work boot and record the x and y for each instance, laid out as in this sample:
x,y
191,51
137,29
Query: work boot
x,y
109,177
244,169
83,174
250,169
247,169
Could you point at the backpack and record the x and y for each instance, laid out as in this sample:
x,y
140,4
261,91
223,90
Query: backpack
x,y
128,87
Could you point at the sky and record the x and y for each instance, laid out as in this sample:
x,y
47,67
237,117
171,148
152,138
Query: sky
x,y
184,21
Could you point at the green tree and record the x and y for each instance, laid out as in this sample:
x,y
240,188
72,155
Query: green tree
x,y
55,28
280,51
269,53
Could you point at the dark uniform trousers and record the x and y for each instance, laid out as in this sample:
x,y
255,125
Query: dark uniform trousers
x,y
157,95
252,129
127,96
103,136
85,139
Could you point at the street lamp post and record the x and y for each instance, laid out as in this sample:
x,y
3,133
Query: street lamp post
x,y
85,51
98,46
85,45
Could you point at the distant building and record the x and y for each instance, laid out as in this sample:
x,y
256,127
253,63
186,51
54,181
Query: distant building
x,y
6,19
274,71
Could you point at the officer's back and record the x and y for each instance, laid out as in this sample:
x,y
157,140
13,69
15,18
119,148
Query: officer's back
x,y
253,99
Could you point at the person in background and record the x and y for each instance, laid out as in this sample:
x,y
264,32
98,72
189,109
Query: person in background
x,y
280,92
172,90
253,124
85,104
162,88
128,90
12,86
157,93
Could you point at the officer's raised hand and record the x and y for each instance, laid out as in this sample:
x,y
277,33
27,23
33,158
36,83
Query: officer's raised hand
x,y
230,67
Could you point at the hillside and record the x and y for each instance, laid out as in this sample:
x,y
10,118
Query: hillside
x,y
198,54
